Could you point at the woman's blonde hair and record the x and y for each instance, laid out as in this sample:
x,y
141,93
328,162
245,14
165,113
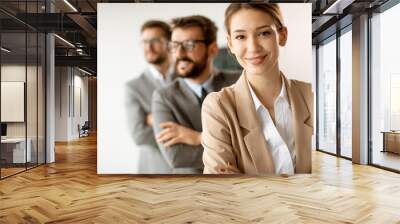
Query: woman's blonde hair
x,y
271,8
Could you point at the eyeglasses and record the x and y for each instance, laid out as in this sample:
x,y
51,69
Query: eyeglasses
x,y
153,41
187,45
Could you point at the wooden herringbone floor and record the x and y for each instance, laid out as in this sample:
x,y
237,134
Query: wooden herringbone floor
x,y
70,191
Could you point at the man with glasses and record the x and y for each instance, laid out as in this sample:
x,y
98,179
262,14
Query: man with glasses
x,y
155,36
176,107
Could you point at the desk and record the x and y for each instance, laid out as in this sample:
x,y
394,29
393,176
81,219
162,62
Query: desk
x,y
13,150
391,141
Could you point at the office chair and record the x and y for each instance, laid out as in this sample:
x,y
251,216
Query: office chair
x,y
84,130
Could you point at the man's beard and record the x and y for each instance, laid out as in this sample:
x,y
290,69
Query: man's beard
x,y
158,60
195,71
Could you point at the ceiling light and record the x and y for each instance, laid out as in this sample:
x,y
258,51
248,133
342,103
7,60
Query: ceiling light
x,y
70,5
84,71
65,41
337,7
5,50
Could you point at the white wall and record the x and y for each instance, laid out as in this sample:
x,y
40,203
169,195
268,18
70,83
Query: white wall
x,y
15,72
82,82
61,103
67,117
296,57
12,101
120,59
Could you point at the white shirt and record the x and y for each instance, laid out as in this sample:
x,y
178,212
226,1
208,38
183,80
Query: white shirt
x,y
157,75
279,138
196,88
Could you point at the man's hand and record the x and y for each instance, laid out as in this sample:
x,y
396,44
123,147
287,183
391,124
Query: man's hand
x,y
149,120
174,133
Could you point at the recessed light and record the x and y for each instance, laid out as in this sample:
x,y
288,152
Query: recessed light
x,y
70,5
5,50
64,40
84,71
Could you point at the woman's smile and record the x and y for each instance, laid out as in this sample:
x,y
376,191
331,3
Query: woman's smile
x,y
256,60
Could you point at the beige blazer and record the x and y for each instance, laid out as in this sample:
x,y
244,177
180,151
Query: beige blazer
x,y
232,136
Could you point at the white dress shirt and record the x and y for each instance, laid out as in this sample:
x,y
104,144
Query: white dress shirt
x,y
279,136
157,75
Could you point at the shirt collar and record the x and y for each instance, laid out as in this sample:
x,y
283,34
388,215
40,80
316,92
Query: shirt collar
x,y
156,74
196,88
283,93
257,102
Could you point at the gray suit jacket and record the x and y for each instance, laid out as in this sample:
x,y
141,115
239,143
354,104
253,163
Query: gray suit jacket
x,y
178,103
138,104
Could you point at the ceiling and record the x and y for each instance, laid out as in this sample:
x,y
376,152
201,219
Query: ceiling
x,y
76,22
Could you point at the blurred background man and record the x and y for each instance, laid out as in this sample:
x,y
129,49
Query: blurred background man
x,y
155,37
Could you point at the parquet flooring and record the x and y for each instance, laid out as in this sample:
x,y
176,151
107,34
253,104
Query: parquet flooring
x,y
70,191
387,159
10,171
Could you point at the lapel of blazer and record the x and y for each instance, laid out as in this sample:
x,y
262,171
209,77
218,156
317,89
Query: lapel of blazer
x,y
301,115
253,137
191,106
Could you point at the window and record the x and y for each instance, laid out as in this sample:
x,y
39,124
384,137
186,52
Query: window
x,y
385,89
346,93
327,96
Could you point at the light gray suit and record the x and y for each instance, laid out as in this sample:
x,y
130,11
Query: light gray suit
x,y
139,92
178,103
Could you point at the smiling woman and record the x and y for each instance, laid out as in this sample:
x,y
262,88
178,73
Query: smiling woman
x,y
264,123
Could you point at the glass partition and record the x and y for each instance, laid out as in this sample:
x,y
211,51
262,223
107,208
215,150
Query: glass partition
x,y
13,105
32,95
41,91
327,96
22,63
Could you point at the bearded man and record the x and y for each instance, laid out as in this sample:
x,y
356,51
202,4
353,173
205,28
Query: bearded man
x,y
176,108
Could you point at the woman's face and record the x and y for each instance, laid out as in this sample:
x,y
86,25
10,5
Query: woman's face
x,y
254,40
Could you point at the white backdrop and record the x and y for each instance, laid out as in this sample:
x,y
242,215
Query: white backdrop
x,y
120,59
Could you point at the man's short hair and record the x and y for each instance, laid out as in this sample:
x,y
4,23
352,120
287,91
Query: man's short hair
x,y
158,24
207,26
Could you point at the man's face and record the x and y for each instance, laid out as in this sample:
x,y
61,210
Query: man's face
x,y
188,51
155,45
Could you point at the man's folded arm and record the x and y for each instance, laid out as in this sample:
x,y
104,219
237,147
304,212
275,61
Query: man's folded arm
x,y
178,155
